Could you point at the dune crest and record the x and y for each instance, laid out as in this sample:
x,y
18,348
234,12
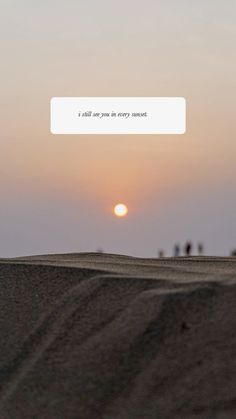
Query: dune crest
x,y
115,337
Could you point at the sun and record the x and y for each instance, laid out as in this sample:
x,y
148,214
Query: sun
x,y
120,210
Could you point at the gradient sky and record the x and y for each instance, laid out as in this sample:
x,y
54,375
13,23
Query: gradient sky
x,y
57,192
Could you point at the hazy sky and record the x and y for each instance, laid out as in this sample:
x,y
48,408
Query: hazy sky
x,y
57,192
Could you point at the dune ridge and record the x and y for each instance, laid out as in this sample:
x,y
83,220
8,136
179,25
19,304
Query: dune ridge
x,y
117,337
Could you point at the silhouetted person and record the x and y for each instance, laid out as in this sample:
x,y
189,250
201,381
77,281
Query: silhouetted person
x,y
200,249
161,254
233,253
188,248
176,250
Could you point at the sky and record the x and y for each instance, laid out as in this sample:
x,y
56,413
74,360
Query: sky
x,y
57,192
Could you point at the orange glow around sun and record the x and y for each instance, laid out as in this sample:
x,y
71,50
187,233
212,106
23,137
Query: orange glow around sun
x,y
120,210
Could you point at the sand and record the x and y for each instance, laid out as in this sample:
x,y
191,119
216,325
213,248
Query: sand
x,y
115,337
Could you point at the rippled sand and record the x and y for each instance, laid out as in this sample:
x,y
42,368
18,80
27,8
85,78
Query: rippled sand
x,y
115,337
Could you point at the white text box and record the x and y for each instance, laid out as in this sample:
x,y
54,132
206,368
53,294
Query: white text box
x,y
118,115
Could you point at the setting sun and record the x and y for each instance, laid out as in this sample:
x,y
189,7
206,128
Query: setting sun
x,y
120,210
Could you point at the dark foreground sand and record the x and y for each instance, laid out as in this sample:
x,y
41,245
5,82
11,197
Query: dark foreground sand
x,y
114,337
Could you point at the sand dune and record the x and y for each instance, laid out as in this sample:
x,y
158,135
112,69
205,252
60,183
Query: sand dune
x,y
115,337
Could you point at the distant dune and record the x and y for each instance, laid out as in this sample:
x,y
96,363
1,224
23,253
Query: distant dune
x,y
90,336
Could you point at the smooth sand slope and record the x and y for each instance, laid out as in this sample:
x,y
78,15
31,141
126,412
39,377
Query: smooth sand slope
x,y
105,336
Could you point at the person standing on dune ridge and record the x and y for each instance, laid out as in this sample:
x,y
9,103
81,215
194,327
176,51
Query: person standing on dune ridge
x,y
176,250
200,249
188,248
